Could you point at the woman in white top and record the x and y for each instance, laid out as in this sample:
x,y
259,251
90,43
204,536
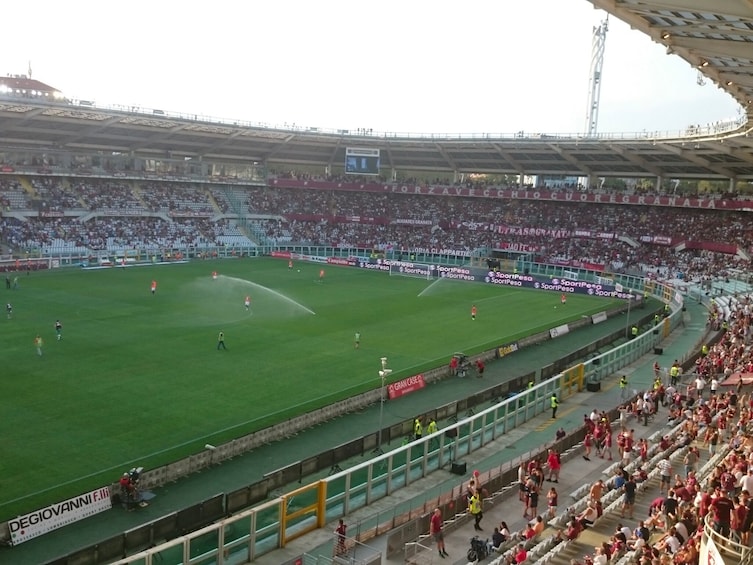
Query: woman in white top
x,y
600,558
504,530
588,516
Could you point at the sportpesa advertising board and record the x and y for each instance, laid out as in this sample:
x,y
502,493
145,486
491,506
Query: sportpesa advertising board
x,y
535,282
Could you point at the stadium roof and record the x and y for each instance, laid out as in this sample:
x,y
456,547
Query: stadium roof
x,y
25,84
716,36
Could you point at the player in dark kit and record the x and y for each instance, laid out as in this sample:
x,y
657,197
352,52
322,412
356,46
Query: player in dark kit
x,y
58,329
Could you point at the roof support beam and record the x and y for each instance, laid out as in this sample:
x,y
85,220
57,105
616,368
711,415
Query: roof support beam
x,y
693,158
334,152
89,131
515,165
221,143
713,47
272,152
635,160
162,136
567,156
745,155
447,158
390,160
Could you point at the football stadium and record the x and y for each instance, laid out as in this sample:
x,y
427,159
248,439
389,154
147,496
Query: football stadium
x,y
225,341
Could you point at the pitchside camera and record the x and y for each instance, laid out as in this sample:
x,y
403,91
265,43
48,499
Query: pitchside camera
x,y
135,474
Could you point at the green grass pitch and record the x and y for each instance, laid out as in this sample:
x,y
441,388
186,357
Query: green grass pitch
x,y
137,378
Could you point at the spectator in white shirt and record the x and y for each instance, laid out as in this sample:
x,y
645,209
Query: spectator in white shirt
x,y
746,481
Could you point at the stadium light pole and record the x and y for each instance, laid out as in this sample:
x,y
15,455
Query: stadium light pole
x,y
627,322
383,374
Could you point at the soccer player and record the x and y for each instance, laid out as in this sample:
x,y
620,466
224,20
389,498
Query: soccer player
x,y
9,310
58,330
247,303
214,275
357,340
221,341
473,312
290,264
321,275
38,343
563,299
154,287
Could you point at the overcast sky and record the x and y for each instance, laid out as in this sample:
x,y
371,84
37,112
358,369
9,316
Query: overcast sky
x,y
478,66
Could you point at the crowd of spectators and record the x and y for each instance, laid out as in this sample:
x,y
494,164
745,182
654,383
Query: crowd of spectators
x,y
671,533
12,195
176,199
387,221
711,416
108,233
732,354
54,195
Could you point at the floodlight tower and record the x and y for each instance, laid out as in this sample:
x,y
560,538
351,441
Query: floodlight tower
x,y
598,41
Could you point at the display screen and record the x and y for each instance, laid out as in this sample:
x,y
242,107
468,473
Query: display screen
x,y
361,161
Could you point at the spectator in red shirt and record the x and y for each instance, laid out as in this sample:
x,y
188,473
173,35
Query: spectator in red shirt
x,y
721,510
553,462
705,502
453,366
435,528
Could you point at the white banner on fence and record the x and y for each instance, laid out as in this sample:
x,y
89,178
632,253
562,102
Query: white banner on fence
x,y
61,514
598,318
559,330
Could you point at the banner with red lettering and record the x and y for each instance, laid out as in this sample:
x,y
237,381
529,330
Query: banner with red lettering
x,y
335,219
518,247
29,526
406,386
521,194
656,239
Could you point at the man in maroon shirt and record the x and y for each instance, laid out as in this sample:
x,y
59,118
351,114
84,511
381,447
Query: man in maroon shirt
x,y
721,512
703,506
435,529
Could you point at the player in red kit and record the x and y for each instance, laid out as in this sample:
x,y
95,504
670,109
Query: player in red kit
x,y
154,287
321,275
290,264
247,302
473,312
563,299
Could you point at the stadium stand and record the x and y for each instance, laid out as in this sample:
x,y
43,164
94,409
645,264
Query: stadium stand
x,y
76,215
